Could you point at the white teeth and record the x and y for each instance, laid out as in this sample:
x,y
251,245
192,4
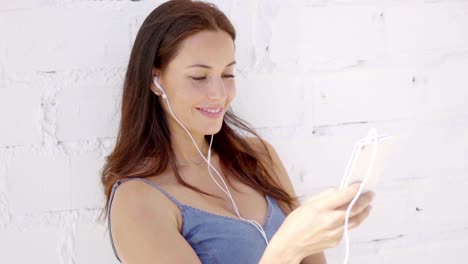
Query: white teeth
x,y
211,111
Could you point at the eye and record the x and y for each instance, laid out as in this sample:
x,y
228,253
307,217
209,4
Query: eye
x,y
199,78
229,76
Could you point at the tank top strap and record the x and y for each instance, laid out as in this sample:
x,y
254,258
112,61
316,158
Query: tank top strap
x,y
114,188
152,184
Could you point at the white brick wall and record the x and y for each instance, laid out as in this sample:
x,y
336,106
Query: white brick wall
x,y
314,75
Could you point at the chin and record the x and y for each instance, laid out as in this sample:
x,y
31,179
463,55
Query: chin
x,y
213,131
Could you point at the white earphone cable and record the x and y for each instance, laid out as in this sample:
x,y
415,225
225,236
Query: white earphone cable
x,y
227,192
373,134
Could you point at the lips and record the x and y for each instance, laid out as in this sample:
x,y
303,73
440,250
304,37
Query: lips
x,y
211,112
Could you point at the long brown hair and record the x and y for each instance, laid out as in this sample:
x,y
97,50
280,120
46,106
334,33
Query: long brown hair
x,y
144,134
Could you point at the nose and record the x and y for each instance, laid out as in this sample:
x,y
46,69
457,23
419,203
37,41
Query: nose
x,y
217,90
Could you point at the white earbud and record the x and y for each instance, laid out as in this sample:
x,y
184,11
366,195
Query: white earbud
x,y
155,81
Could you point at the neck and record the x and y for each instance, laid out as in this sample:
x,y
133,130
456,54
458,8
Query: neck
x,y
184,149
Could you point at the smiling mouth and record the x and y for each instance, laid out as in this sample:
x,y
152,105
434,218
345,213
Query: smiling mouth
x,y
212,110
211,113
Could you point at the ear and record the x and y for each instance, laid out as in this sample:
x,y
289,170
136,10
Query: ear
x,y
155,72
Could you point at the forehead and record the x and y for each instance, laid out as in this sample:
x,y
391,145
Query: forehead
x,y
215,48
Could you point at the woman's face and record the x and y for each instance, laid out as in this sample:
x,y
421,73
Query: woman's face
x,y
200,77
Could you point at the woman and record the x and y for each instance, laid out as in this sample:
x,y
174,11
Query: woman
x,y
183,185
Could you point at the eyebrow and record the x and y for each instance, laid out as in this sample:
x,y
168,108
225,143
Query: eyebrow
x,y
208,67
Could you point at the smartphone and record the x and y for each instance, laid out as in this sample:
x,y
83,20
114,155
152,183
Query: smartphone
x,y
363,162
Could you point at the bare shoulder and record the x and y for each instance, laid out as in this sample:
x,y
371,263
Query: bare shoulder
x,y
139,199
144,226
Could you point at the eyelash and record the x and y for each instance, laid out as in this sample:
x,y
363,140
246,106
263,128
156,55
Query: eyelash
x,y
204,77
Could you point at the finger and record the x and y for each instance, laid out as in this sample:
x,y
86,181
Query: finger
x,y
328,191
358,219
342,197
319,199
337,218
361,203
353,222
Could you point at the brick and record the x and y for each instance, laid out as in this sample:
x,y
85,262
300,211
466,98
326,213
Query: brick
x,y
267,100
365,94
24,4
87,109
286,45
92,244
38,245
241,15
38,183
76,37
433,248
338,36
421,29
21,116
87,190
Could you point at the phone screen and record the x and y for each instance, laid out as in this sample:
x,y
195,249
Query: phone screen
x,y
361,163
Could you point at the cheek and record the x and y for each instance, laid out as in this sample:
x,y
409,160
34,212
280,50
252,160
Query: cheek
x,y
191,91
231,91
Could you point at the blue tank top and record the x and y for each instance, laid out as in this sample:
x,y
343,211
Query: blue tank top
x,y
216,238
